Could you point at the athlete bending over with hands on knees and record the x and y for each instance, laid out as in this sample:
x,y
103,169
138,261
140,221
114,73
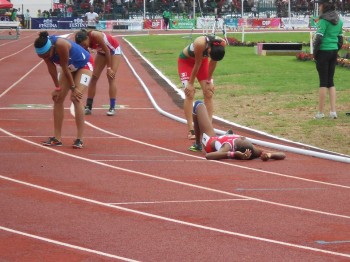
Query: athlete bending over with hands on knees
x,y
193,63
73,73
108,55
228,146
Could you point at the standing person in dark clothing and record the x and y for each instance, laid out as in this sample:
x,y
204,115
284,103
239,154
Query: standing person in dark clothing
x,y
328,40
166,17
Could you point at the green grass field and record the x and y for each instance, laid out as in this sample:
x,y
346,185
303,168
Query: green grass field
x,y
274,94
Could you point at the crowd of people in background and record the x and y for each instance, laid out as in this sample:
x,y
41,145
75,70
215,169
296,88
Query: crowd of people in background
x,y
125,9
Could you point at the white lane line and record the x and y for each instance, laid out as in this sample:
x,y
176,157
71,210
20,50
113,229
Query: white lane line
x,y
16,52
19,80
180,201
64,244
172,180
216,162
180,222
322,242
279,189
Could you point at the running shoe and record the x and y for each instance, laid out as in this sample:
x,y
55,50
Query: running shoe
x,y
191,135
111,112
53,141
78,144
87,111
319,116
333,115
195,147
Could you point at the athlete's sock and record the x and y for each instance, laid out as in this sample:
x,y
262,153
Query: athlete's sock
x,y
112,102
89,102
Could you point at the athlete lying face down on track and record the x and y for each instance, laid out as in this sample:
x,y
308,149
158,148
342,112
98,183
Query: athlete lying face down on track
x,y
228,146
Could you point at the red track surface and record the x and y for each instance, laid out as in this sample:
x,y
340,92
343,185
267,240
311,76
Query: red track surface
x,y
135,192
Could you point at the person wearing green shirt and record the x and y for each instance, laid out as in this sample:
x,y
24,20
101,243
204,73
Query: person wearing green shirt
x,y
166,17
328,41
14,15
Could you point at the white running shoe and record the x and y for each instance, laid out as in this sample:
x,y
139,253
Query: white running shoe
x,y
333,115
319,116
111,112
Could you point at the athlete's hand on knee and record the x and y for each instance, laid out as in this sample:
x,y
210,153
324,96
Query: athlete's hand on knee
x,y
76,95
211,88
55,95
110,73
189,89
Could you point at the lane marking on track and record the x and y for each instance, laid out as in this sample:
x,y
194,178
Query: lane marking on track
x,y
279,189
180,222
322,242
64,244
172,180
19,80
16,52
182,201
50,106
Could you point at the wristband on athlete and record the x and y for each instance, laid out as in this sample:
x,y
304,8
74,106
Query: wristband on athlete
x,y
230,154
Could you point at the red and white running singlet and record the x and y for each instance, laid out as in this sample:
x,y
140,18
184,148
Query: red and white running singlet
x,y
219,142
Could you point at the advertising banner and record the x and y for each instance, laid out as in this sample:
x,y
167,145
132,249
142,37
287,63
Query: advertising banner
x,y
231,22
295,22
182,23
265,22
153,24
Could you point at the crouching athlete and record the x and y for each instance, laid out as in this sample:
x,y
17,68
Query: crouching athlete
x,y
228,146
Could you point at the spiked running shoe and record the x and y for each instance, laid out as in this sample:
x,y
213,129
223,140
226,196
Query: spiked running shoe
x,y
53,141
195,147
111,112
78,144
87,111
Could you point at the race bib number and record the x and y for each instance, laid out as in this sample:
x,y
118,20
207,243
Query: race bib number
x,y
85,79
205,139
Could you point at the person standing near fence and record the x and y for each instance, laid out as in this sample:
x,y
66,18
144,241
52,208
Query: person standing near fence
x,y
27,19
166,18
108,55
91,18
193,63
328,41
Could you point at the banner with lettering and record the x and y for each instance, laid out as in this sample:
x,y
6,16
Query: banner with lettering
x,y
182,23
153,24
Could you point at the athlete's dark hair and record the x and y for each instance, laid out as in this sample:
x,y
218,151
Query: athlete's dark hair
x,y
41,40
81,36
217,51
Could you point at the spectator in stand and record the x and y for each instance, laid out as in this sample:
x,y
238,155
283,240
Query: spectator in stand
x,y
69,11
91,18
39,14
27,19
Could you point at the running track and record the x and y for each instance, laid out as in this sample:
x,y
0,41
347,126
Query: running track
x,y
135,193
